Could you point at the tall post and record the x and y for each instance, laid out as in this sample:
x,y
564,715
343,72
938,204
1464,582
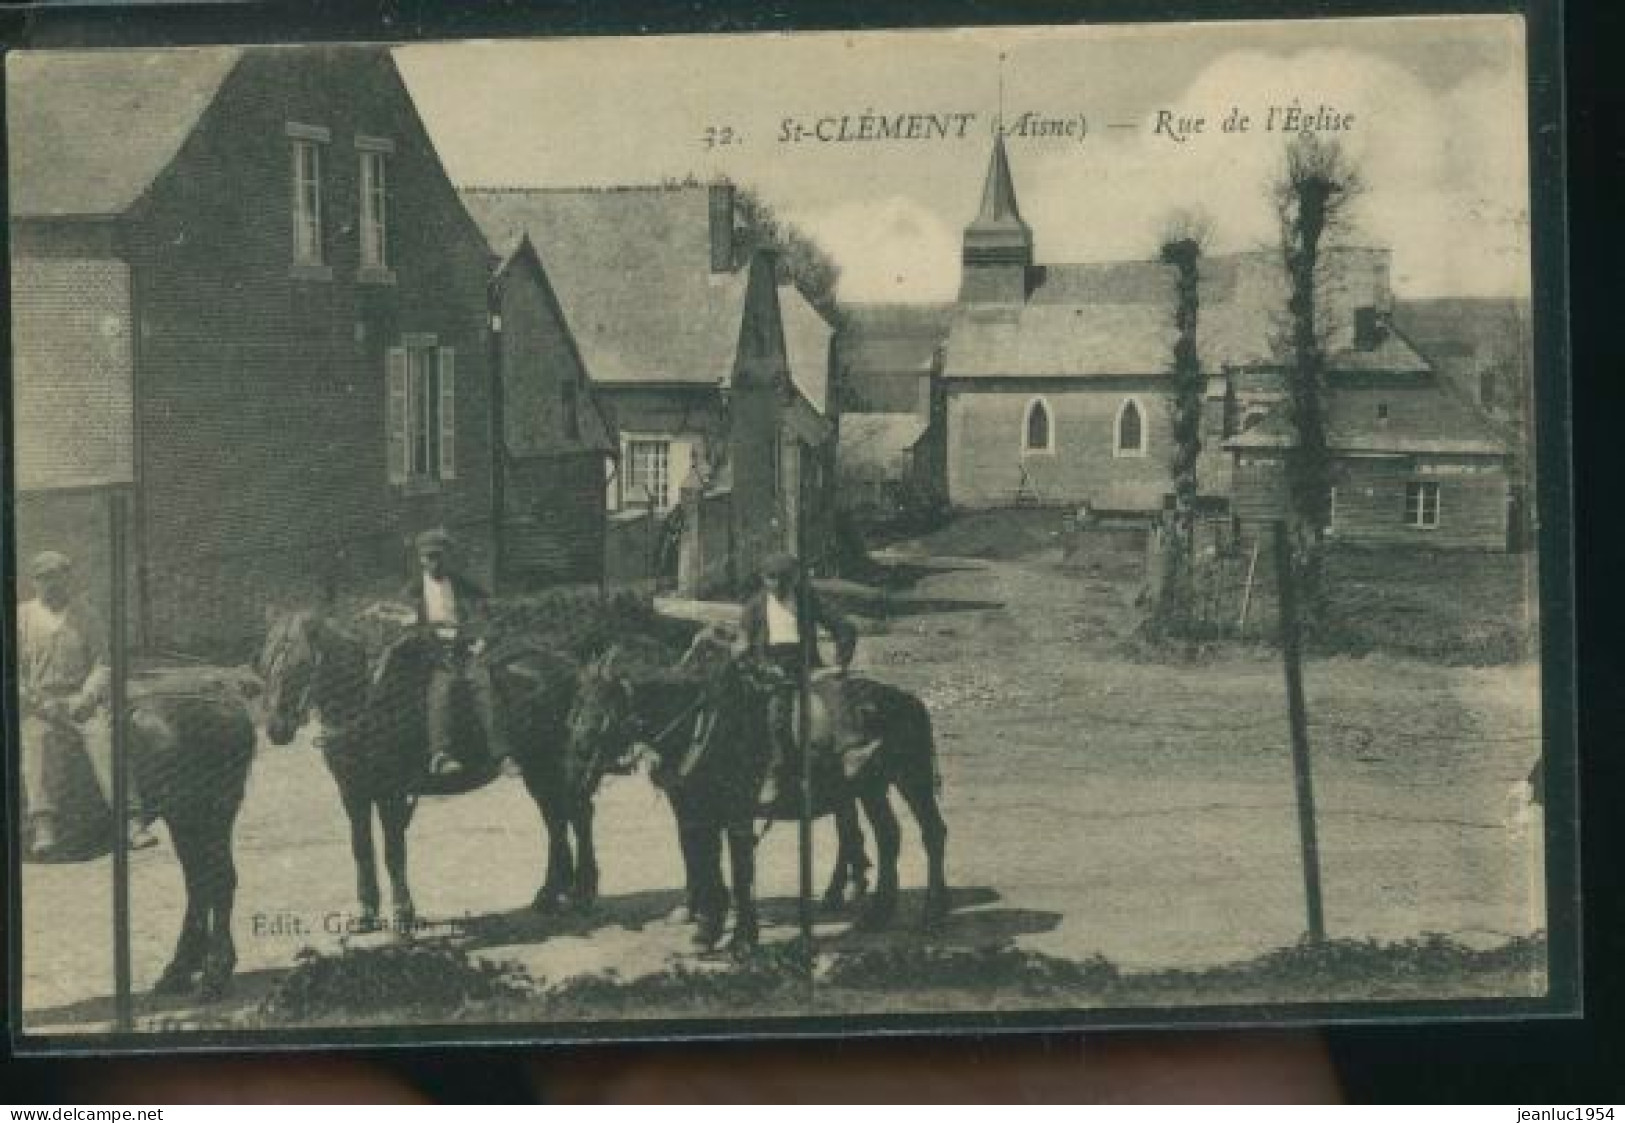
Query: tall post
x,y
807,634
118,666
1298,719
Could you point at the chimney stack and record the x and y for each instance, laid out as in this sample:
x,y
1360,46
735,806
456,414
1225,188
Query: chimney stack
x,y
722,227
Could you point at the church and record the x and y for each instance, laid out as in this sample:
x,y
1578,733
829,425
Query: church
x,y
1057,386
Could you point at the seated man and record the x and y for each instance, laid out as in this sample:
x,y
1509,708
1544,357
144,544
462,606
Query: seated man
x,y
779,629
63,682
454,608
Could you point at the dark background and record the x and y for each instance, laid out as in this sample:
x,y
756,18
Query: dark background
x,y
1559,1062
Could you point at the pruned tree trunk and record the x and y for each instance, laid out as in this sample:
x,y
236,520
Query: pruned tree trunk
x,y
1173,609
1317,186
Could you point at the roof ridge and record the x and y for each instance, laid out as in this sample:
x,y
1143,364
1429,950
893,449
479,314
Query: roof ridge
x,y
587,189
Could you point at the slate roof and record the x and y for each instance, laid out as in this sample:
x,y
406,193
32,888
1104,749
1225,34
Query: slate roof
x,y
893,337
632,270
89,131
1409,419
1115,319
879,445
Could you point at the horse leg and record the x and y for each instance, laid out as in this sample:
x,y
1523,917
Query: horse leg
x,y
887,840
560,863
192,942
742,868
219,878
358,809
921,796
394,814
586,884
851,863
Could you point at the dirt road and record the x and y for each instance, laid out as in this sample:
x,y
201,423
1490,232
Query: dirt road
x,y
1142,811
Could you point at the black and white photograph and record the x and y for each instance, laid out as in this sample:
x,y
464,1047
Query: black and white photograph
x,y
554,537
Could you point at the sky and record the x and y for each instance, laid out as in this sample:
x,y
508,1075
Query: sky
x,y
1439,134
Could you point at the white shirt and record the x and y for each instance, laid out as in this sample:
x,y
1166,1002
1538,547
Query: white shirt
x,y
440,605
781,622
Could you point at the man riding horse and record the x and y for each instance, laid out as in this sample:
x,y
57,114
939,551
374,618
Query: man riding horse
x,y
455,611
778,633
64,681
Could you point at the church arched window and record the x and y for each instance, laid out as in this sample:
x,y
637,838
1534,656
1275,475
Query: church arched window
x,y
1038,433
1130,429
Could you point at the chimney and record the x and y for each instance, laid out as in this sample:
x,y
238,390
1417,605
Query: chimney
x,y
722,227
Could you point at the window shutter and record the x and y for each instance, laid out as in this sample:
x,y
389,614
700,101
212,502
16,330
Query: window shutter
x,y
448,413
396,415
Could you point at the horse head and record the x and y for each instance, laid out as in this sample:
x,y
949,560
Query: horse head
x,y
288,664
601,722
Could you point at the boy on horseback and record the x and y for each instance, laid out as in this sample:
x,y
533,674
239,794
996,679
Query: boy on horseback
x,y
455,609
778,631
63,682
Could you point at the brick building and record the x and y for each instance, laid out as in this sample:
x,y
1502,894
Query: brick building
x,y
705,365
247,268
556,439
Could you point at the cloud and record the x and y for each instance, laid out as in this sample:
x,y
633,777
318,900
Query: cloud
x,y
1445,171
893,249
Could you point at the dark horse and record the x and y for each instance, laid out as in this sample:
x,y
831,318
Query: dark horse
x,y
190,752
710,750
375,745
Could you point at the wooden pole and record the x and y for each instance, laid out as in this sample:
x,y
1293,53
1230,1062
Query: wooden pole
x,y
118,660
1247,592
1298,719
807,633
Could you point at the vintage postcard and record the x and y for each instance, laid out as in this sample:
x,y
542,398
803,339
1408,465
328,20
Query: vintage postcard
x,y
537,538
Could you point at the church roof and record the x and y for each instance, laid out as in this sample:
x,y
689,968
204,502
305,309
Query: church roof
x,y
999,207
1116,319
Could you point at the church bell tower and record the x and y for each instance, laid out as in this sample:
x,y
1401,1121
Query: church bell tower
x,y
998,246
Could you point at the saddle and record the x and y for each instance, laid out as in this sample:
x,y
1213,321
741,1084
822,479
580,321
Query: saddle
x,y
843,720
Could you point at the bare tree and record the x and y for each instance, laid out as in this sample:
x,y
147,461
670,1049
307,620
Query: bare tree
x,y
1312,196
1182,244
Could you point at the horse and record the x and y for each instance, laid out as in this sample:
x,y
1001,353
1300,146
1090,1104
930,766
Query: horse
x,y
713,776
374,742
189,756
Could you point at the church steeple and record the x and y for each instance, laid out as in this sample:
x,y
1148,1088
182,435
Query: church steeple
x,y
998,246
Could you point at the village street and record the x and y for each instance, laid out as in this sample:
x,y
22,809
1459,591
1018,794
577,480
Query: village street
x,y
1141,811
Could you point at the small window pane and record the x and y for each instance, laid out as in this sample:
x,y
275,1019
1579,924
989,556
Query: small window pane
x,y
374,210
1038,427
307,202
1130,430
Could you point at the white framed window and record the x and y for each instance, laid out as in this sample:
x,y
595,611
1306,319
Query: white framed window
x,y
1128,434
307,144
1331,511
374,209
422,412
1038,427
1422,505
648,473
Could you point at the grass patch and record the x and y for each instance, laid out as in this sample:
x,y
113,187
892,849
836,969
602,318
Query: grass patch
x,y
418,982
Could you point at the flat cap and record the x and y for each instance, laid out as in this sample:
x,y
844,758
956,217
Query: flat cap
x,y
436,539
48,562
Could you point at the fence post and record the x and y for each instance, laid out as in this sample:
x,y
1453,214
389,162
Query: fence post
x,y
1292,656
